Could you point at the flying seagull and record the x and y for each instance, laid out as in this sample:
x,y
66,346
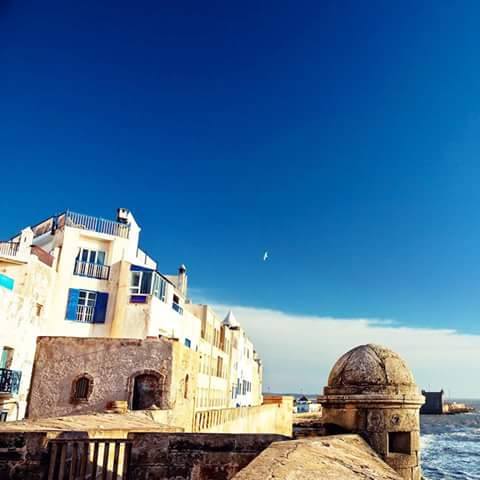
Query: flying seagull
x,y
265,255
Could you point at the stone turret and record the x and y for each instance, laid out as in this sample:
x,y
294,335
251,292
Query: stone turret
x,y
372,392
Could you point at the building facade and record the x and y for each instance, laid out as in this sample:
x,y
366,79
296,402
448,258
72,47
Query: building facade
x,y
99,374
74,275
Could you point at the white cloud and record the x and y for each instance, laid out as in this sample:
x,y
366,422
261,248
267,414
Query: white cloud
x,y
298,351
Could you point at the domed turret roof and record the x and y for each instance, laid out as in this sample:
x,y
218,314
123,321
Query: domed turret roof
x,y
370,368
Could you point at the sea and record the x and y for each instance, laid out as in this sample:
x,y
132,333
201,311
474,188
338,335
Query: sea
x,y
451,445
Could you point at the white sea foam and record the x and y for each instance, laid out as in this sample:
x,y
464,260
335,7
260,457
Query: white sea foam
x,y
451,447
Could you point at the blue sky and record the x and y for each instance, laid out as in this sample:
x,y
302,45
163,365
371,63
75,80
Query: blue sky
x,y
341,136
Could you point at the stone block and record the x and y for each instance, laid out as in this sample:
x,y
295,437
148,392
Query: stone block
x,y
148,472
401,461
204,442
255,443
379,442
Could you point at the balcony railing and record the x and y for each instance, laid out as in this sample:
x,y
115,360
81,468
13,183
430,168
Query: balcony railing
x,y
9,249
9,381
91,270
177,308
95,224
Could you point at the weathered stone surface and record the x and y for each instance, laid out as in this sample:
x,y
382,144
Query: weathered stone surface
x,y
194,456
372,392
104,422
369,366
23,455
345,457
154,455
113,364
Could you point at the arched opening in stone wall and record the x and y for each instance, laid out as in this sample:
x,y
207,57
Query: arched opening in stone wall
x,y
147,390
82,387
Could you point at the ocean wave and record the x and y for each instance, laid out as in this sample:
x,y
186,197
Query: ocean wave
x,y
451,447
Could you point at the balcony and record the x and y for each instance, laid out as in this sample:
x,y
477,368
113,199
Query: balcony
x,y
91,270
9,250
9,381
177,308
95,224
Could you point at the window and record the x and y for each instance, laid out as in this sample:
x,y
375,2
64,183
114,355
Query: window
x,y
160,287
7,357
188,343
148,283
3,361
135,282
91,256
86,306
185,392
399,442
3,415
141,282
91,263
82,388
219,366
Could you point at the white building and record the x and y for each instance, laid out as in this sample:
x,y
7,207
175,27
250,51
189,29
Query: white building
x,y
246,366
76,275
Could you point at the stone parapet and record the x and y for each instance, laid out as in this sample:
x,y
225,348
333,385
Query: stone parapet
x,y
345,457
273,417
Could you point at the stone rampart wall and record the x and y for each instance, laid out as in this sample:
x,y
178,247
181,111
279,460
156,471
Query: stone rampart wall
x,y
163,456
273,417
194,456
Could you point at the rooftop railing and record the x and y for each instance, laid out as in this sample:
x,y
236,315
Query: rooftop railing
x,y
9,249
96,224
9,381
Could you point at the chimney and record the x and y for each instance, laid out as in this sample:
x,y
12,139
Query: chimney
x,y
122,215
182,280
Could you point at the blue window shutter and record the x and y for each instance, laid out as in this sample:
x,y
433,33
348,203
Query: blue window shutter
x,y
72,303
100,308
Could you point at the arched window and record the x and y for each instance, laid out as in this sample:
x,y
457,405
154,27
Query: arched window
x,y
82,388
185,392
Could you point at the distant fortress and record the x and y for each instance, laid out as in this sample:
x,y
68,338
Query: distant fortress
x,y
434,405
